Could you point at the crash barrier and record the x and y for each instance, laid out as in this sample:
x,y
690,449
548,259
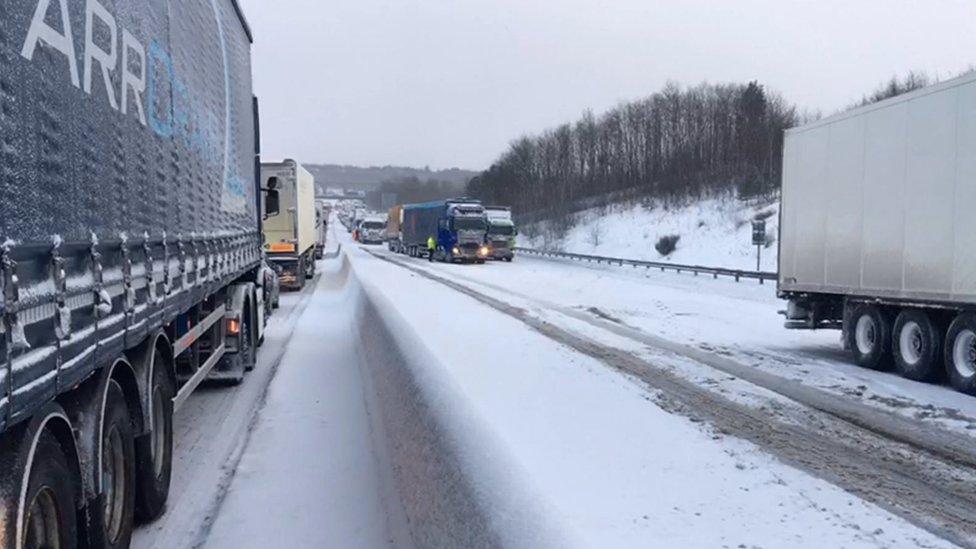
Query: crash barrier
x,y
451,476
716,272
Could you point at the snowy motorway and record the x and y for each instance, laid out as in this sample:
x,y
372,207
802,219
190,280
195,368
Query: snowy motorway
x,y
550,404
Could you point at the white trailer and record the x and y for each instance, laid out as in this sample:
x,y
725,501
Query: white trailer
x,y
877,234
291,236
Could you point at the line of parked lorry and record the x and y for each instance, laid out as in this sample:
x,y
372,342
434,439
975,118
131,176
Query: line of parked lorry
x,y
143,243
460,229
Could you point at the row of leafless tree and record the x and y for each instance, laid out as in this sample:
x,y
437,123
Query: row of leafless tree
x,y
676,143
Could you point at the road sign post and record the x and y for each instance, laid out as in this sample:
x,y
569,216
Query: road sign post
x,y
759,240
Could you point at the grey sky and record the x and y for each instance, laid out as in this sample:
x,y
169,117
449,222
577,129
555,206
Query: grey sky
x,y
450,82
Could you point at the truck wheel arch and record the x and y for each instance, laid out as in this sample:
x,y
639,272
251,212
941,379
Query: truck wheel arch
x,y
86,405
22,443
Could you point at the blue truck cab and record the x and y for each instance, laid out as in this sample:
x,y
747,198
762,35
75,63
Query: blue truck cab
x,y
458,226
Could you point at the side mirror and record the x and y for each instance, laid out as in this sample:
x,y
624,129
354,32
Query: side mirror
x,y
272,202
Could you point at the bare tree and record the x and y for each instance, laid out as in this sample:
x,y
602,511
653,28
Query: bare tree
x,y
676,143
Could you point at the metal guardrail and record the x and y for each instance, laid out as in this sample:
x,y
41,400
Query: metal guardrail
x,y
716,272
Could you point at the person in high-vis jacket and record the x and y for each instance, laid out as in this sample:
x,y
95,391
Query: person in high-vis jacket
x,y
431,248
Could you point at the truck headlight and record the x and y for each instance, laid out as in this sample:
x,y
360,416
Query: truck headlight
x,y
483,251
456,251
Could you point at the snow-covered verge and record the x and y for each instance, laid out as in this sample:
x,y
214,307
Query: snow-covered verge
x,y
715,232
555,445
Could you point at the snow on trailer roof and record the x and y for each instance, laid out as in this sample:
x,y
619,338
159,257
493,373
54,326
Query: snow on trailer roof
x,y
244,23
962,80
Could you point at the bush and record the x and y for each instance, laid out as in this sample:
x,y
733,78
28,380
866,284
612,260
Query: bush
x,y
667,244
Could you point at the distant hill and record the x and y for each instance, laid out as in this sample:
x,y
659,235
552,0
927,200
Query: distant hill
x,y
368,179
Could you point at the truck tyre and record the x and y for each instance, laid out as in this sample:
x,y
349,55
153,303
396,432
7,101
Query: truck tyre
x,y
869,337
154,452
117,488
960,353
236,365
268,310
917,345
49,514
310,271
300,274
509,259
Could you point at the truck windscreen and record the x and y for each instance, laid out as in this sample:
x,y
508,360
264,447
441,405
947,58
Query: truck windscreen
x,y
501,230
373,225
469,224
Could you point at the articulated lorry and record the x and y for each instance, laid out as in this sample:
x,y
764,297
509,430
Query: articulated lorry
x,y
290,238
877,233
501,232
458,227
131,266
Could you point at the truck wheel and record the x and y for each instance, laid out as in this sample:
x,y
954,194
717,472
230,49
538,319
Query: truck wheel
x,y
117,474
154,452
960,353
49,515
869,337
917,345
300,274
236,365
509,259
310,272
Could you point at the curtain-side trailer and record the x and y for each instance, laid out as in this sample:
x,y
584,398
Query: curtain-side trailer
x,y
458,226
131,261
877,235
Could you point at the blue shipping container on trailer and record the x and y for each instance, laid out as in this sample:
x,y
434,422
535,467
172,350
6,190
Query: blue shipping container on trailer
x,y
458,225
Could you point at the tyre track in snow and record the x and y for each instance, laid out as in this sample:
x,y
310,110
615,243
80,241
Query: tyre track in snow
x,y
947,445
920,484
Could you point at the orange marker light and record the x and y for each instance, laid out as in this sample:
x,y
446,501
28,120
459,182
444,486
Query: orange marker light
x,y
281,247
234,326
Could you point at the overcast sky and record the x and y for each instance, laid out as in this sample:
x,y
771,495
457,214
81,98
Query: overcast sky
x,y
450,83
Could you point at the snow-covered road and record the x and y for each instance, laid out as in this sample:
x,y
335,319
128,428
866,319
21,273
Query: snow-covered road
x,y
722,317
210,432
542,404
580,442
311,475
